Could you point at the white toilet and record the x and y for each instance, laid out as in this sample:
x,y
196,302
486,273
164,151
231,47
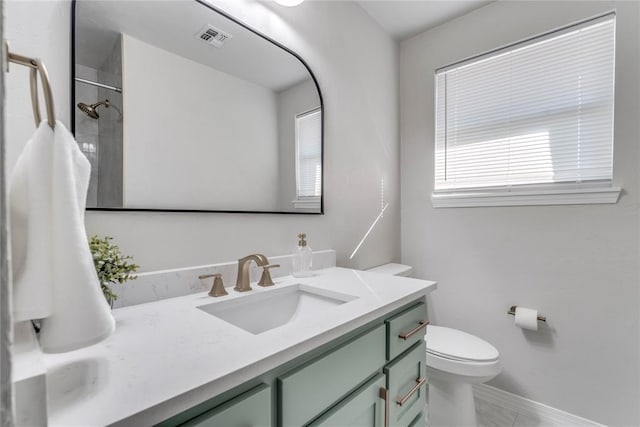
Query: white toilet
x,y
455,361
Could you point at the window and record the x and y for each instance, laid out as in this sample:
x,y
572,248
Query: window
x,y
308,159
531,123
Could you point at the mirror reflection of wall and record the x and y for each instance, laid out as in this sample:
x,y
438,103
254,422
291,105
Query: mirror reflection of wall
x,y
212,115
207,126
300,128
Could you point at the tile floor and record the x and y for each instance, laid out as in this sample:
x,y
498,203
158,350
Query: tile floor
x,y
491,415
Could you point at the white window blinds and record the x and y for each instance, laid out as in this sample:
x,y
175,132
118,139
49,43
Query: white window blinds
x,y
309,154
537,112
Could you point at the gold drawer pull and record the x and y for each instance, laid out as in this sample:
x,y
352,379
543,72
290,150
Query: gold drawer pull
x,y
384,394
419,382
406,335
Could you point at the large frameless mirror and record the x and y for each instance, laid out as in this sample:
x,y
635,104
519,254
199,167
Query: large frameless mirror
x,y
180,107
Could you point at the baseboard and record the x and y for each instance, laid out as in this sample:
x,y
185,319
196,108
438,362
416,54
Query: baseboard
x,y
546,415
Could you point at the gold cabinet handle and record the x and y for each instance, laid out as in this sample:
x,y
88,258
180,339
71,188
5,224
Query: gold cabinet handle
x,y
401,400
421,325
384,395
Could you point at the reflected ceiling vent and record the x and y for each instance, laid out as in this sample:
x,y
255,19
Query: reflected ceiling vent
x,y
212,36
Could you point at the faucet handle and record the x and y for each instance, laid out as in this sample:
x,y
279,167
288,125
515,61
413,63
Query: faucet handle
x,y
217,290
266,280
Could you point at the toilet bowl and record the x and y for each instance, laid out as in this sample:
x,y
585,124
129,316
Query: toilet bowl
x,y
455,361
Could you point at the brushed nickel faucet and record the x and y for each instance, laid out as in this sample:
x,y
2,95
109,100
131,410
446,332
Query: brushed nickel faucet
x,y
266,279
217,290
242,281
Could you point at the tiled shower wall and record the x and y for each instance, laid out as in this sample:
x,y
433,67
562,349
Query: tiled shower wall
x,y
110,187
87,128
102,140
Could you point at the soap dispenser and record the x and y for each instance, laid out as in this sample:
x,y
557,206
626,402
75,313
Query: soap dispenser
x,y
302,258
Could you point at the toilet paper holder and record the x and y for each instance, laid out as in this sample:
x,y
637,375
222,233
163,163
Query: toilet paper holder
x,y
512,311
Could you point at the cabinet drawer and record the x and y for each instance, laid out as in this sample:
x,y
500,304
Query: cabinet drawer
x,y
406,382
405,329
250,409
363,407
309,390
420,421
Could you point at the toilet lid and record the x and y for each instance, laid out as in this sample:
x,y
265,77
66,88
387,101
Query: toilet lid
x,y
392,269
454,344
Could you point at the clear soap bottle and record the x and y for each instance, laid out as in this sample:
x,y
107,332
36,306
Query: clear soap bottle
x,y
302,258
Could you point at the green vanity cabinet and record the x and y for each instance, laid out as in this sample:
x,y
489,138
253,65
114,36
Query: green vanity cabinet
x,y
419,421
310,389
371,377
363,407
250,409
406,382
405,329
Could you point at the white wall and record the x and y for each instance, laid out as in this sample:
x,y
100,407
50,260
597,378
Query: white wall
x,y
195,137
6,337
35,28
578,265
20,20
356,66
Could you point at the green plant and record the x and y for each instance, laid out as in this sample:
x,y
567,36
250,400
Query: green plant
x,y
111,266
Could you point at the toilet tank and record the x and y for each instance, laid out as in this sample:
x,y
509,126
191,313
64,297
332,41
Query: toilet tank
x,y
393,269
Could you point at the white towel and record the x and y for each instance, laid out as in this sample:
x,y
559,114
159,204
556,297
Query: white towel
x,y
30,222
54,276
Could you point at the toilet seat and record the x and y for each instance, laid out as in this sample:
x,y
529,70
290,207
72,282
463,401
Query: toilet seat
x,y
392,269
458,345
457,359
459,353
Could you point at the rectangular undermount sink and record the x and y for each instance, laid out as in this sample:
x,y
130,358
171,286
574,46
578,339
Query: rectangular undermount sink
x,y
262,311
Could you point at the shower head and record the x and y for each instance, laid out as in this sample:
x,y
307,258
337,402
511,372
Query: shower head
x,y
90,110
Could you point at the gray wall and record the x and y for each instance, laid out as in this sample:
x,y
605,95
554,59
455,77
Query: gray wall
x,y
357,70
578,265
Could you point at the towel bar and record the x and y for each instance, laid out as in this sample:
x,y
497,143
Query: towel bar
x,y
37,67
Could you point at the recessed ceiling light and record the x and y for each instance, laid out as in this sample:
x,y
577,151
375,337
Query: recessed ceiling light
x,y
288,3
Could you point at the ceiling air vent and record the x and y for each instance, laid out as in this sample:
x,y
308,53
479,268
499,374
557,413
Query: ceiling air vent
x,y
212,36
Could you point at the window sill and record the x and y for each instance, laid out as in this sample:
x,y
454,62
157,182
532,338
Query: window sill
x,y
307,203
530,197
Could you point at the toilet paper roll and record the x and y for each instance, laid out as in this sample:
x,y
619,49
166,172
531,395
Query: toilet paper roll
x,y
527,318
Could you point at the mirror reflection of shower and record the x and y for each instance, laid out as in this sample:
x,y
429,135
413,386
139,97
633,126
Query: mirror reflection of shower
x,y
91,110
99,120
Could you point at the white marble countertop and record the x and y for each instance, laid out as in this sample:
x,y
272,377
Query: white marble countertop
x,y
167,356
